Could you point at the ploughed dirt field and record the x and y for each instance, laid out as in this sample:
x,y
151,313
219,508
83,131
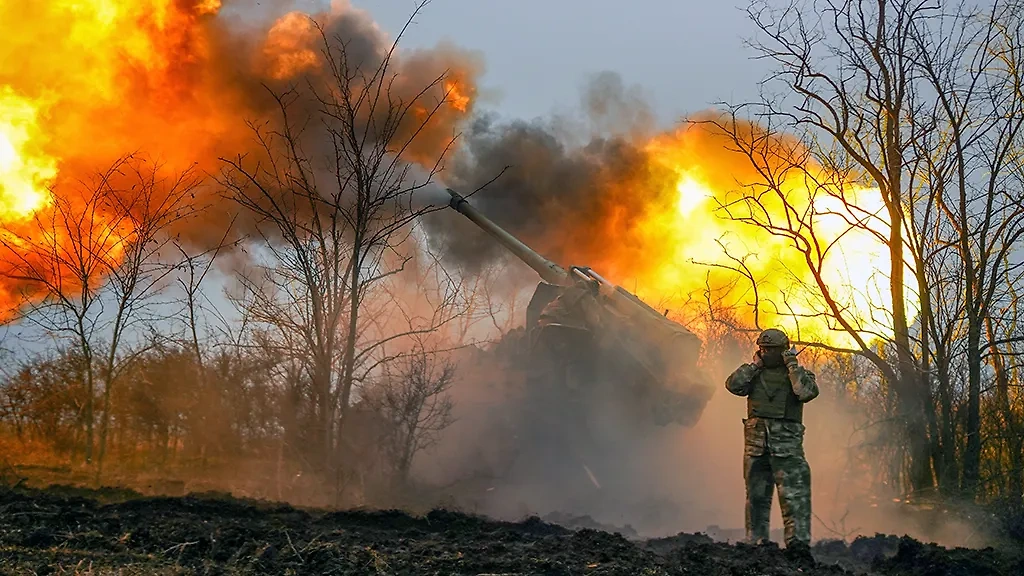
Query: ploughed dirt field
x,y
72,531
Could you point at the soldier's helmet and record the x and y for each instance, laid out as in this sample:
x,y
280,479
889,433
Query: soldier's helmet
x,y
773,337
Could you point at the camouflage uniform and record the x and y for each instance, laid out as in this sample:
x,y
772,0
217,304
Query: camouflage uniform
x,y
773,453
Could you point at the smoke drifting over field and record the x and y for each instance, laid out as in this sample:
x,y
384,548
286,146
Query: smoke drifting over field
x,y
568,455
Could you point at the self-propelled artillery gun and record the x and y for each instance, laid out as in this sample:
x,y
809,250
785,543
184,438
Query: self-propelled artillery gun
x,y
576,317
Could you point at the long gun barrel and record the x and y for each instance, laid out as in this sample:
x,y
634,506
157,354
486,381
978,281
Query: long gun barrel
x,y
549,271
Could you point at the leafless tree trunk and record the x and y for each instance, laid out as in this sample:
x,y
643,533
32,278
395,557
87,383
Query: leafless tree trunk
x,y
1010,424
197,270
152,206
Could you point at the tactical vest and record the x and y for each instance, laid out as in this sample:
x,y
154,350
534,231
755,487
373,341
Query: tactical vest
x,y
771,396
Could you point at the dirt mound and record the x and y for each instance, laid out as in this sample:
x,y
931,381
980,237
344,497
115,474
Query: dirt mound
x,y
580,522
55,531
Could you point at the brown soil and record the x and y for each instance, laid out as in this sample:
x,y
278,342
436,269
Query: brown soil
x,y
73,531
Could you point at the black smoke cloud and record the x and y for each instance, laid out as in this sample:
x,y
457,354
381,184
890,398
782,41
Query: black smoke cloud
x,y
562,186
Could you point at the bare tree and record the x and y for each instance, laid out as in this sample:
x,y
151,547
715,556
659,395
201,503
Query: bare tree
x,y
194,270
411,398
154,205
197,267
373,131
89,265
333,194
973,79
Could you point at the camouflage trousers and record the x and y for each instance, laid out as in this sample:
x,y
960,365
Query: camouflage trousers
x,y
780,465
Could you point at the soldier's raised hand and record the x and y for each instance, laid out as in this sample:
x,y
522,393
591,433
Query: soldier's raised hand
x,y
789,357
758,361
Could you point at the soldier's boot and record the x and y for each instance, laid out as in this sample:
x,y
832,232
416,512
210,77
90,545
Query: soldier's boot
x,y
799,553
793,477
757,473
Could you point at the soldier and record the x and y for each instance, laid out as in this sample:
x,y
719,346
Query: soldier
x,y
776,388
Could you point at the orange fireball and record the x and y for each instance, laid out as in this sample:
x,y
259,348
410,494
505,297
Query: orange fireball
x,y
84,82
690,252
26,171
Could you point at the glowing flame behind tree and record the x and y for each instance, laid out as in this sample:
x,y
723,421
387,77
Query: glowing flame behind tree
x,y
923,104
86,268
806,242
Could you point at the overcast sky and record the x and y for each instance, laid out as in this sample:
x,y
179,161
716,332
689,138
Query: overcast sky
x,y
685,54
